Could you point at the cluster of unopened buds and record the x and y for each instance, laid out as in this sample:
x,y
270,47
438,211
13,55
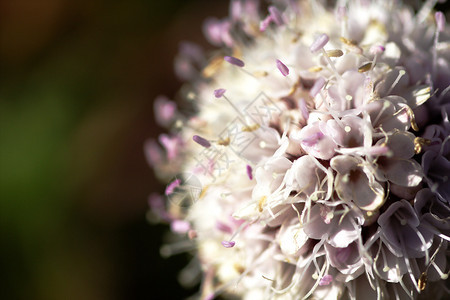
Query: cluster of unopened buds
x,y
311,159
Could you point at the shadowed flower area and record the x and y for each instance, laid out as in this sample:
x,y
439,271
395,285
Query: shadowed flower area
x,y
78,81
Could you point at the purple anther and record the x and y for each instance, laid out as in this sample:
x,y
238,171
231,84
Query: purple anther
x,y
201,141
219,93
303,108
282,67
265,23
234,61
318,85
325,280
249,172
172,186
276,15
440,21
377,49
228,244
319,43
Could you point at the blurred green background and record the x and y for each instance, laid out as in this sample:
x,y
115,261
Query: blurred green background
x,y
77,83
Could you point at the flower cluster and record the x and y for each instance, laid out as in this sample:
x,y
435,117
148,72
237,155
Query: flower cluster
x,y
321,140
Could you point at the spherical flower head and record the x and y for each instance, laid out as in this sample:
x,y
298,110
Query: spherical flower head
x,y
321,144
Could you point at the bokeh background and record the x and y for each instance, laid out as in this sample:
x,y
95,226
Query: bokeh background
x,y
77,84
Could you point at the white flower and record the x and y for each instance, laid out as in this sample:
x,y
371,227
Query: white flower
x,y
307,141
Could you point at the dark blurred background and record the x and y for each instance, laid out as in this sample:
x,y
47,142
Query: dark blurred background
x,y
77,84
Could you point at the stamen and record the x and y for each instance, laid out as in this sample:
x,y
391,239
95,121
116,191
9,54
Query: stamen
x,y
303,108
228,244
422,282
326,280
265,23
443,275
401,73
315,69
319,43
249,172
219,93
234,61
419,142
233,106
425,10
172,186
201,141
366,67
330,62
251,128
318,85
282,67
335,53
440,21
176,248
276,15
180,226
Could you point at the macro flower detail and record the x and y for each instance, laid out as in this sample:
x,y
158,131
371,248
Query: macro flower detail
x,y
321,139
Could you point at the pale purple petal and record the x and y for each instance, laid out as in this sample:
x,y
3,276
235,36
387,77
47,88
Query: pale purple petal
x,y
164,110
223,227
403,172
153,152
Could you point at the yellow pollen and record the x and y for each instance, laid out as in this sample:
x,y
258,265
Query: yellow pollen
x,y
422,282
419,142
250,128
202,194
260,73
262,144
213,66
315,69
347,128
261,203
224,142
347,41
364,68
349,98
335,53
239,268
